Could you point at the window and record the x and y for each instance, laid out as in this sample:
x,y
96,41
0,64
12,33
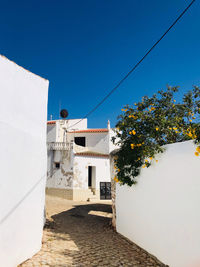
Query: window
x,y
57,165
79,141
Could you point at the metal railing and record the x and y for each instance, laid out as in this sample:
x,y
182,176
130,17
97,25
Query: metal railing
x,y
59,146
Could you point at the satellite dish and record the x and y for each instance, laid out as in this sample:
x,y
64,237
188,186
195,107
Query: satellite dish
x,y
63,113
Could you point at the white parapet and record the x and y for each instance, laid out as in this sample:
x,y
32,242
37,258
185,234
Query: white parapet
x,y
59,146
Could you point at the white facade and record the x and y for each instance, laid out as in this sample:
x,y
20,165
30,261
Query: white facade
x,y
77,168
101,171
23,113
56,129
161,213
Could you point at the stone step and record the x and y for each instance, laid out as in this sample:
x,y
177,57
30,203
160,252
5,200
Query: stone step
x,y
92,198
95,199
90,194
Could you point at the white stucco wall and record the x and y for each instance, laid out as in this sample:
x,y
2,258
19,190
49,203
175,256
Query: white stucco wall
x,y
50,162
81,164
161,213
23,113
112,146
67,125
74,173
91,138
104,144
62,177
82,125
99,141
51,133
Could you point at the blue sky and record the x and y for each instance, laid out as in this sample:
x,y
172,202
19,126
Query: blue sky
x,y
85,47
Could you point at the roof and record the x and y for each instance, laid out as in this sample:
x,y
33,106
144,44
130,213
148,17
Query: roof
x,y
92,154
91,131
113,152
61,120
51,122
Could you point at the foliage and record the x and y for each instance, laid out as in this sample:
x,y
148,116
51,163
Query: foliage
x,y
144,129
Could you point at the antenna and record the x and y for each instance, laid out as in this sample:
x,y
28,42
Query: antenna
x,y
59,108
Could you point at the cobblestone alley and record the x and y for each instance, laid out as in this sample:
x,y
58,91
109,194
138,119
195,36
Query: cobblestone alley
x,y
79,234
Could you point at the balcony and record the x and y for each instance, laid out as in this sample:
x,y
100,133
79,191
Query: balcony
x,y
59,146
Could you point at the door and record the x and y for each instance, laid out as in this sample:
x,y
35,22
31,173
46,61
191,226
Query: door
x,y
89,176
105,190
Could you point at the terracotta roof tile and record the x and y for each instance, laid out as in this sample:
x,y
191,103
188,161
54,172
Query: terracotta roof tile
x,y
51,122
91,131
92,154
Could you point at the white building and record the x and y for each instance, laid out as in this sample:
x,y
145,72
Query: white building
x,y
78,160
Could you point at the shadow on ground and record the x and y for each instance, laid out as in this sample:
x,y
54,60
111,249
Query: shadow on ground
x,y
84,237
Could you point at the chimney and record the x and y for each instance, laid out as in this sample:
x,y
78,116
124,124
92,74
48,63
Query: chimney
x,y
108,125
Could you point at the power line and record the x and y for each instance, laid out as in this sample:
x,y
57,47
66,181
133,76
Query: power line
x,y
136,65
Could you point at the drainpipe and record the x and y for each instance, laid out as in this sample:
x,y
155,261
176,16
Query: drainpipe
x,y
108,125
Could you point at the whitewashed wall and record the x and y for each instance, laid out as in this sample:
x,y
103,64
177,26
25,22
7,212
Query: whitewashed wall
x,y
161,213
50,163
81,164
51,133
63,125
73,171
96,142
81,125
92,139
62,177
104,144
112,146
23,113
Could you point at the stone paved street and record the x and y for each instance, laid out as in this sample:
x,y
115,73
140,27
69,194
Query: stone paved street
x,y
79,234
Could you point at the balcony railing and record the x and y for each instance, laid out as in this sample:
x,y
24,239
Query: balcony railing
x,y
59,146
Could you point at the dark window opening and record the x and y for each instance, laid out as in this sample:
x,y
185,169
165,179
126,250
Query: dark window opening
x,y
79,141
57,165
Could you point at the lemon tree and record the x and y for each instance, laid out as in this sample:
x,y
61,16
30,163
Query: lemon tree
x,y
144,128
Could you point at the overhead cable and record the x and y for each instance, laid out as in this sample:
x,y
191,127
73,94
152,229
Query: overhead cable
x,y
136,65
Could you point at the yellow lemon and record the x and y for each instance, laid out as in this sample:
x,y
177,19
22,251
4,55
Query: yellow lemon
x,y
198,149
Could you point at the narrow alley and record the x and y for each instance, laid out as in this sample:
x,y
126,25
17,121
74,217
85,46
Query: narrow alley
x,y
80,234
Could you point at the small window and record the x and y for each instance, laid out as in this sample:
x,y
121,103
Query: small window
x,y
80,141
57,165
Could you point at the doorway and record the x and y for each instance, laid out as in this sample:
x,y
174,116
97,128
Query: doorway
x,y
89,176
92,177
105,190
